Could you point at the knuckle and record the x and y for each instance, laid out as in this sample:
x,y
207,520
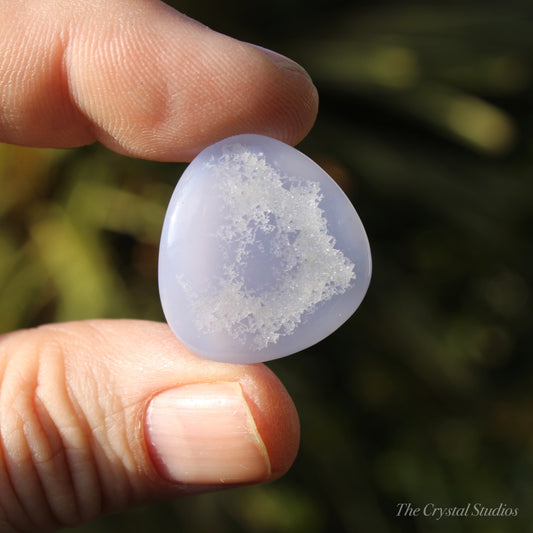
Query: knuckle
x,y
48,477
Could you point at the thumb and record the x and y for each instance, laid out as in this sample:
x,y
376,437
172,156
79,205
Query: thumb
x,y
101,415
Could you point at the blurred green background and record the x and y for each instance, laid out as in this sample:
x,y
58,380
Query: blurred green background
x,y
426,394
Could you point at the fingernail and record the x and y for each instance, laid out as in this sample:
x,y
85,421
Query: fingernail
x,y
282,60
205,434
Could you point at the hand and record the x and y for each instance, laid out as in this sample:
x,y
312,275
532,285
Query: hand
x,y
101,415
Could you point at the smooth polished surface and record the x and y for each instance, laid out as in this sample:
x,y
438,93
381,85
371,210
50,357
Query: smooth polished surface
x,y
261,255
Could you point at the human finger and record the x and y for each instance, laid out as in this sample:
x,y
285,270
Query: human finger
x,y
97,416
141,78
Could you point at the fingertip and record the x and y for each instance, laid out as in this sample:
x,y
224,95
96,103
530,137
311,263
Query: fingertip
x,y
201,91
290,98
275,416
144,80
163,86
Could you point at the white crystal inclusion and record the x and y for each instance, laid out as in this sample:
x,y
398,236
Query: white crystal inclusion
x,y
262,254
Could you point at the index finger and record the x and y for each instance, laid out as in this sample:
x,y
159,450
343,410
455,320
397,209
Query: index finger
x,y
141,78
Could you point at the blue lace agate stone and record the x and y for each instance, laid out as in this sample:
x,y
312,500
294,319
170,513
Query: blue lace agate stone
x,y
262,254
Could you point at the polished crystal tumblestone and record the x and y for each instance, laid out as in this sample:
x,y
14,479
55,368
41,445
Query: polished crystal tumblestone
x,y
262,254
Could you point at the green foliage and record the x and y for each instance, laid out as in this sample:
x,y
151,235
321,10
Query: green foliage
x,y
425,394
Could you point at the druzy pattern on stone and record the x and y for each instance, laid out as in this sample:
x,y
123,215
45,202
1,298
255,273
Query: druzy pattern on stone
x,y
262,254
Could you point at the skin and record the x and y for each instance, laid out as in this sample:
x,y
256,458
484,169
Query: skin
x,y
147,82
